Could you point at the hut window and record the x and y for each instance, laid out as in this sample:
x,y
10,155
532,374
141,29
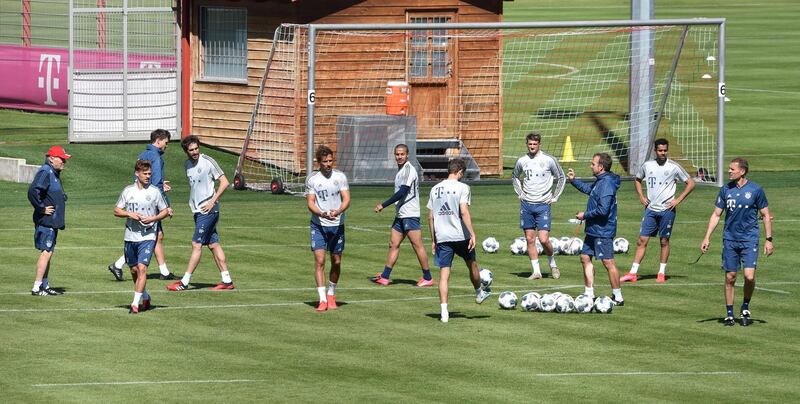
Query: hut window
x,y
429,50
223,36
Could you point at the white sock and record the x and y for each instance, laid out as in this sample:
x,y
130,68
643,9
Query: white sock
x,y
187,276
662,267
163,269
120,262
552,260
445,313
145,295
588,292
331,288
137,297
535,265
226,277
45,284
36,286
321,291
617,294
634,268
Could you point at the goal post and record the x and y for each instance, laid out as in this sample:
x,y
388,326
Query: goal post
x,y
477,89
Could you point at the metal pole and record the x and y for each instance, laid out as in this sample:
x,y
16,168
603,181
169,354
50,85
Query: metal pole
x,y
721,108
502,25
176,28
70,69
640,87
124,68
312,33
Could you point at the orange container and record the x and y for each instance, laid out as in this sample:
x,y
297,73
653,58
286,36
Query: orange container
x,y
397,95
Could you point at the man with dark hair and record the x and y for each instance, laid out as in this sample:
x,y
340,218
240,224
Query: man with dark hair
x,y
742,201
159,139
48,199
601,223
533,177
203,171
327,198
452,233
143,206
406,222
660,204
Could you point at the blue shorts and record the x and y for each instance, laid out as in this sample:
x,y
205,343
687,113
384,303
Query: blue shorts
x,y
139,252
600,248
44,238
534,216
739,254
443,256
205,228
406,224
329,238
657,223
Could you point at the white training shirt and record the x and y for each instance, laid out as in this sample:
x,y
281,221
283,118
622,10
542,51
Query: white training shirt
x,y
533,178
445,203
408,207
201,180
147,201
660,181
327,193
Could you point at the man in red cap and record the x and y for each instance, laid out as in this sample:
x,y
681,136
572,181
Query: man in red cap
x,y
49,209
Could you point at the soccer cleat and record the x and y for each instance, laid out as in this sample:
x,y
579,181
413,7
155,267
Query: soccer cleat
x,y
134,309
145,305
746,320
422,282
332,302
555,272
482,295
729,321
661,278
445,317
379,279
51,292
535,275
177,286
167,277
223,286
618,302
39,292
117,272
629,277
323,306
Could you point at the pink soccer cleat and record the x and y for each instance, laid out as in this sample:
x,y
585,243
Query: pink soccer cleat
x,y
177,286
323,306
223,286
380,280
661,278
422,282
332,302
629,277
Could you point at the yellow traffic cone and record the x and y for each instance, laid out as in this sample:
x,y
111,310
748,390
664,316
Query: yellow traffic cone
x,y
568,157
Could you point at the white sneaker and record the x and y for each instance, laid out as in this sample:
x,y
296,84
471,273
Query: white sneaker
x,y
481,295
535,275
445,317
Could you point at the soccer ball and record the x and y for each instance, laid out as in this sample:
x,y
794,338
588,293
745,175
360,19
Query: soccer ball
x,y
603,304
583,304
507,300
490,245
621,245
539,247
565,304
486,277
573,246
519,246
556,295
547,303
556,245
530,302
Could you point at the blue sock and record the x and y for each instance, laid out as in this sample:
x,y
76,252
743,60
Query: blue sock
x,y
746,304
729,308
426,274
387,272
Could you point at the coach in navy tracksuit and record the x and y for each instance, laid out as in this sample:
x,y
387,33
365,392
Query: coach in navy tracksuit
x,y
49,210
601,223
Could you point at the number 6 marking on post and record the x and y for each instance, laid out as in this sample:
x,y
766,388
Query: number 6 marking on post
x,y
311,97
721,89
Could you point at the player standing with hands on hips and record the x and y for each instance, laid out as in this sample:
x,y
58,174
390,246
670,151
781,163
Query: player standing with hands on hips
x,y
327,197
601,223
742,201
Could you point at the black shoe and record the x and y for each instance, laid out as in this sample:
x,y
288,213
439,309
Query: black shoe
x,y
729,321
51,292
746,320
117,272
39,292
618,302
167,277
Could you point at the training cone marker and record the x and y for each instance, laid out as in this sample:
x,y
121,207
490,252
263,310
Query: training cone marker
x,y
706,76
567,156
711,58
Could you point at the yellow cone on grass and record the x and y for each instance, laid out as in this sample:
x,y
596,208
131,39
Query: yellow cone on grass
x,y
567,156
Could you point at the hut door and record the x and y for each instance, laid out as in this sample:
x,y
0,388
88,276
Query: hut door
x,y
431,71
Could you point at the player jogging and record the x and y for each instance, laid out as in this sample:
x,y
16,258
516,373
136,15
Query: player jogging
x,y
452,233
407,219
202,172
533,182
742,201
327,197
660,204
143,206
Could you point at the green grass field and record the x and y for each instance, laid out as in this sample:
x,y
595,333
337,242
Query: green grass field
x,y
263,342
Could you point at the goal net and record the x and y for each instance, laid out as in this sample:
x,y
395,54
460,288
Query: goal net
x,y
477,92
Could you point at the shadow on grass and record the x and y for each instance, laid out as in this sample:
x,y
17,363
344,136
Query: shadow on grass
x,y
721,320
458,314
314,304
527,274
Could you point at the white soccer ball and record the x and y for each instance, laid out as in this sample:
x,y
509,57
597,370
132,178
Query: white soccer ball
x,y
556,245
621,245
564,243
507,300
583,304
490,245
530,302
556,295
547,303
486,277
603,304
539,247
519,246
565,304
573,246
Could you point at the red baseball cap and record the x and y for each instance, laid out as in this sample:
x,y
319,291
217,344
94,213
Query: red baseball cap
x,y
58,151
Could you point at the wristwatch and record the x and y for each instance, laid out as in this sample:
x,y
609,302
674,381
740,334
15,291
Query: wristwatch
x,y
769,239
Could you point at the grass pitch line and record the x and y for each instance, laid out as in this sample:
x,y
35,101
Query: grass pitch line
x,y
48,385
783,292
637,374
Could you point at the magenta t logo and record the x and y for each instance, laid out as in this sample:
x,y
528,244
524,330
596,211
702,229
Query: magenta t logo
x,y
48,82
